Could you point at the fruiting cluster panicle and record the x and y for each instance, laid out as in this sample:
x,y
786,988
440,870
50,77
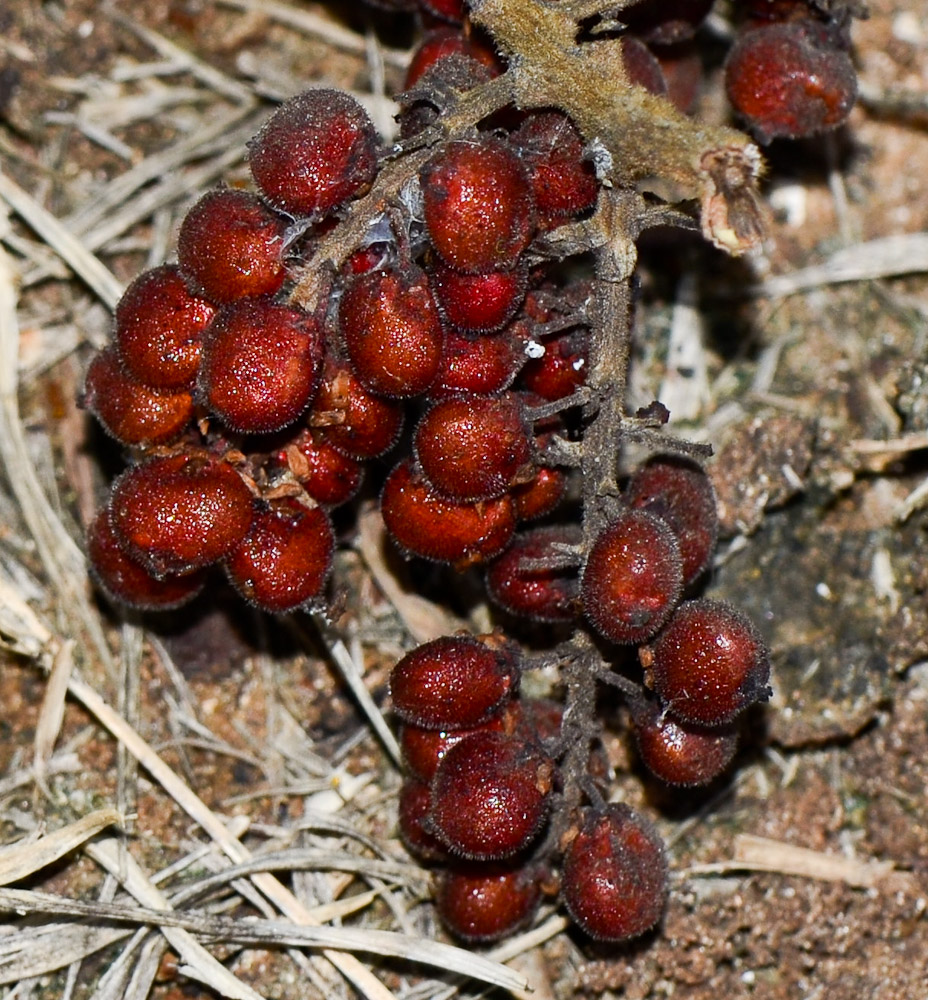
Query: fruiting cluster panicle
x,y
360,287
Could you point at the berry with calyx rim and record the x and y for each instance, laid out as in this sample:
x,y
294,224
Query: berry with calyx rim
x,y
260,365
327,475
455,682
521,583
425,524
632,578
391,331
480,903
283,562
614,874
126,582
477,303
709,663
563,367
178,513
481,366
317,150
490,795
475,448
440,43
231,245
134,414
679,753
679,492
353,420
478,204
159,329
791,80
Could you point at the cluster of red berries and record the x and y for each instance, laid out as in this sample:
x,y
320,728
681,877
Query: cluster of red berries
x,y
248,415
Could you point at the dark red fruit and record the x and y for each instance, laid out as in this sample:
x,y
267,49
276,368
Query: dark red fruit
x,y
521,582
179,513
447,10
442,42
352,420
475,448
477,904
614,875
642,66
790,80
159,329
679,492
562,369
709,663
131,412
231,244
260,365
683,70
327,475
666,21
479,209
679,753
632,578
456,682
283,561
128,583
540,496
414,804
562,180
391,331
480,366
477,303
490,795
424,524
314,153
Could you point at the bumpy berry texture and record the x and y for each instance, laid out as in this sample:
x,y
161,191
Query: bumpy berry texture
x,y
260,365
350,418
318,150
159,329
456,682
710,663
790,80
231,245
283,561
490,795
632,578
487,904
614,879
478,202
180,513
529,579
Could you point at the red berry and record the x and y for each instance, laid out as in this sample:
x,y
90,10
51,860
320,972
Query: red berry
x,y
159,329
679,492
424,524
456,682
481,904
481,366
479,209
790,80
414,804
179,513
477,303
392,332
562,369
540,496
518,584
632,578
682,68
475,448
709,663
314,153
614,875
490,795
282,563
327,475
131,412
442,42
679,753
642,66
260,365
232,246
126,582
447,10
562,180
352,420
